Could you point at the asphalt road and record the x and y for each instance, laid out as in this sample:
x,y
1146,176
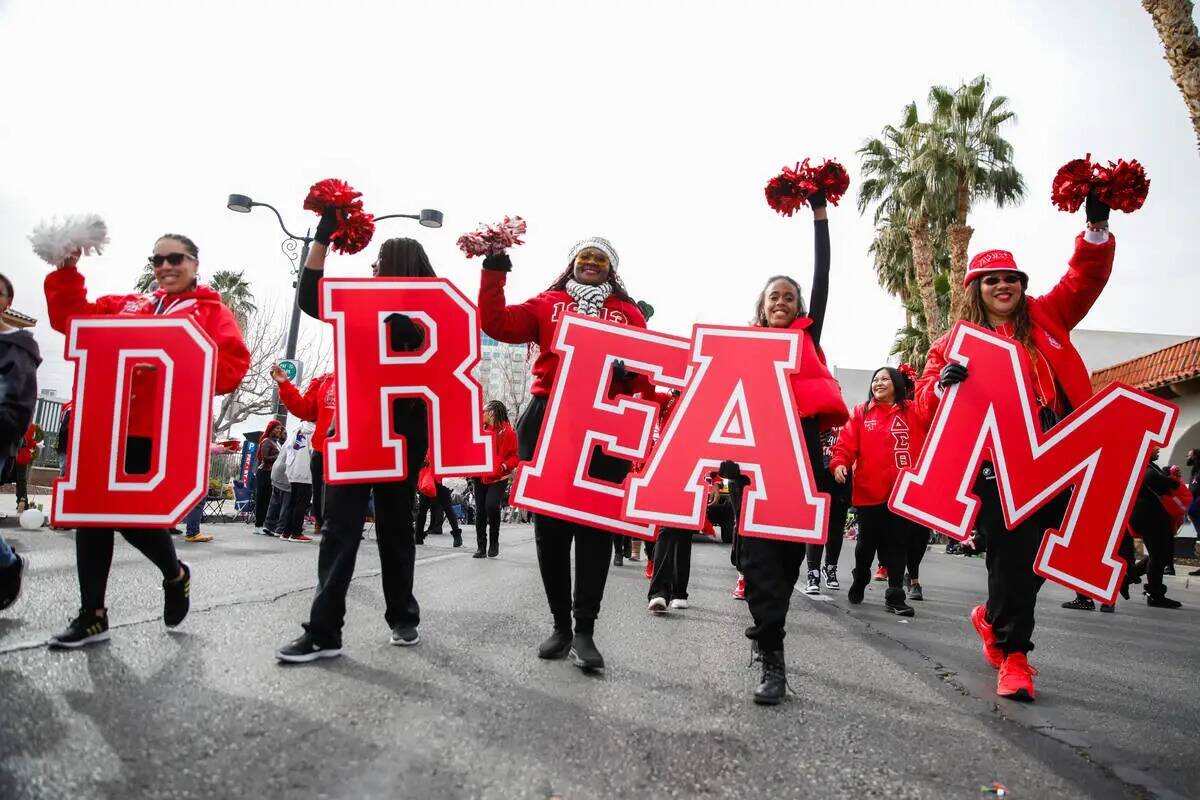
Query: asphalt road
x,y
883,707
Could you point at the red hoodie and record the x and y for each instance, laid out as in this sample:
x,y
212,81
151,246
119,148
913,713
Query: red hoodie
x,y
504,445
534,322
816,392
66,297
318,404
25,454
878,441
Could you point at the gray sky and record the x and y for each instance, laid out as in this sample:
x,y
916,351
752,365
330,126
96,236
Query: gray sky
x,y
653,124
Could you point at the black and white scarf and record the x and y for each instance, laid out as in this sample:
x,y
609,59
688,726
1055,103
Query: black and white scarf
x,y
590,299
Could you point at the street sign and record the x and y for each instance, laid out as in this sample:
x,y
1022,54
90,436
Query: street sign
x,y
292,368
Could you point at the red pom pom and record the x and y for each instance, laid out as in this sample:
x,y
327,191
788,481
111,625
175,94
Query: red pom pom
x,y
1122,186
908,372
330,192
833,179
1072,183
354,232
488,240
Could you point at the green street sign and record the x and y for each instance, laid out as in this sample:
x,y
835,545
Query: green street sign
x,y
291,368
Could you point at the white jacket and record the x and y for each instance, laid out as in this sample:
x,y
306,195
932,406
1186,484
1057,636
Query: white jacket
x,y
298,452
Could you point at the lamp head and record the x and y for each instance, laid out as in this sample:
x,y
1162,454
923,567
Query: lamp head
x,y
239,203
430,218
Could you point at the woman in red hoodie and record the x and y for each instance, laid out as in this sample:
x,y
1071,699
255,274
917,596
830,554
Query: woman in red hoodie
x,y
589,285
771,567
996,299
883,436
489,489
175,261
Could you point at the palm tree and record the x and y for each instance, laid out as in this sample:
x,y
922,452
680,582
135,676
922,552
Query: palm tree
x,y
964,159
903,193
1177,30
145,280
235,293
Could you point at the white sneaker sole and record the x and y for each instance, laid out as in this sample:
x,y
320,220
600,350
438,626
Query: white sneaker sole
x,y
307,657
657,606
812,590
55,644
679,605
402,643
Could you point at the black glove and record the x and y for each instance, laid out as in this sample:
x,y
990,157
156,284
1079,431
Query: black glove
x,y
646,309
817,199
327,225
403,333
952,373
1095,209
619,371
498,262
730,471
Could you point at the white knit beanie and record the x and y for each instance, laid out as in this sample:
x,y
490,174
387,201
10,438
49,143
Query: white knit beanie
x,y
603,245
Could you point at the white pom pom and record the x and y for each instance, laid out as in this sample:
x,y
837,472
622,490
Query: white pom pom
x,y
31,519
55,241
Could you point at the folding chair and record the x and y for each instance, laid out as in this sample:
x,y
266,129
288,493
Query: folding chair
x,y
243,502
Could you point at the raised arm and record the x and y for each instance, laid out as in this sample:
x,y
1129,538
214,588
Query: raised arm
x,y
513,324
820,282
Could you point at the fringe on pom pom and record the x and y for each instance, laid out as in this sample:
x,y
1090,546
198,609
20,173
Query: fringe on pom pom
x,y
354,232
55,241
1122,185
355,226
489,240
331,192
791,188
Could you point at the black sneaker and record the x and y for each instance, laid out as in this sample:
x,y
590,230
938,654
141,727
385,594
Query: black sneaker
x,y
584,653
85,629
306,649
895,604
858,585
405,636
176,597
1162,601
1107,609
814,582
557,646
914,592
831,579
1081,604
10,581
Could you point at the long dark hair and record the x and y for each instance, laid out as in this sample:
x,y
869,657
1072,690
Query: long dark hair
x,y
760,319
904,389
404,258
975,311
614,280
499,412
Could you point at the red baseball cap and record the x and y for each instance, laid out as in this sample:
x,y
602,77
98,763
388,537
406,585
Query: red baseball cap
x,y
993,261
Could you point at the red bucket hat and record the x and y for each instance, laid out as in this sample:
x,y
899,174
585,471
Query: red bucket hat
x,y
993,261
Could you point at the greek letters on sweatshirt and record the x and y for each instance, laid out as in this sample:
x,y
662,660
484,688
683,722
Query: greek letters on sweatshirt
x,y
878,441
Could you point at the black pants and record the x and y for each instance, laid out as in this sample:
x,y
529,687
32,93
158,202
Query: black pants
x,y
346,510
735,552
277,510
21,478
622,544
914,551
1159,540
262,496
316,468
489,497
301,494
554,536
721,515
437,508
94,546
880,531
832,549
1012,584
672,564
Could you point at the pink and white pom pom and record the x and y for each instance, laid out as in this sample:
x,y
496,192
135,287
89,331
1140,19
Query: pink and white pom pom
x,y
55,241
489,240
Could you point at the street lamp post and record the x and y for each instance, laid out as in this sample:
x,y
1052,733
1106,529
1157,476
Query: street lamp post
x,y
429,218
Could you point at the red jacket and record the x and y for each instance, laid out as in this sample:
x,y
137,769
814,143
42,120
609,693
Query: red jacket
x,y
318,404
1176,504
504,446
66,297
817,393
1054,315
534,322
29,450
878,441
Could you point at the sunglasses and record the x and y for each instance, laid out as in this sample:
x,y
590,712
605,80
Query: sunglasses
x,y
992,280
174,259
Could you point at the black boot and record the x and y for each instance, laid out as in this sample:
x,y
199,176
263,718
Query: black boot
x,y
859,578
558,645
895,602
480,545
1159,599
457,534
773,688
493,544
584,653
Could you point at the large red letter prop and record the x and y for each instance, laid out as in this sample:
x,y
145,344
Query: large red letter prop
x,y
1100,450
580,415
96,491
738,406
370,375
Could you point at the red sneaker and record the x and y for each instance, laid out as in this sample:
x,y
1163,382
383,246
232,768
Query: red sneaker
x,y
649,568
1016,678
991,653
881,573
299,537
739,590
